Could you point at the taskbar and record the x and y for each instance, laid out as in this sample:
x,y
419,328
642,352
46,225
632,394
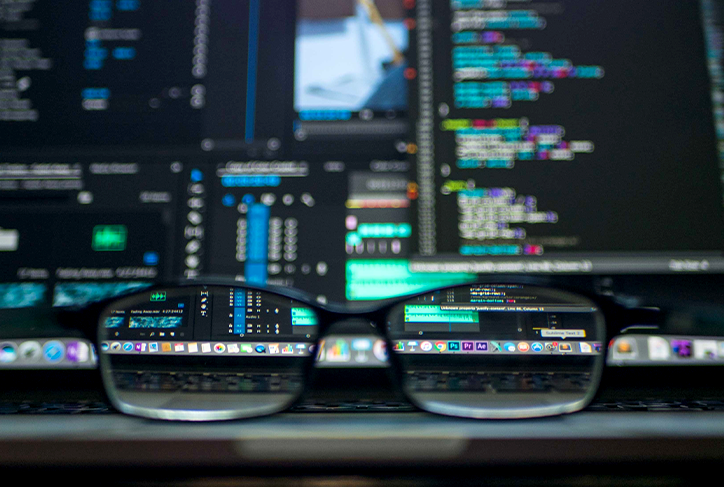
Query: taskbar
x,y
329,352
497,347
44,353
199,348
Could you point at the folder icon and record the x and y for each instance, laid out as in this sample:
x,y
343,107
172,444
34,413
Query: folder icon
x,y
9,240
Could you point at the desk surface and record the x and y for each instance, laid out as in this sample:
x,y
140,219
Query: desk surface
x,y
379,439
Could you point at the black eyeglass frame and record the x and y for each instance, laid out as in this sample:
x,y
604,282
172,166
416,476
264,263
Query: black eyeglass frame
x,y
615,319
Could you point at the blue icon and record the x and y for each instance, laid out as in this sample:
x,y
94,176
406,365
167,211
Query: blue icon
x,y
53,351
228,200
260,349
128,347
181,305
105,346
453,346
150,258
509,347
8,353
248,199
537,347
196,176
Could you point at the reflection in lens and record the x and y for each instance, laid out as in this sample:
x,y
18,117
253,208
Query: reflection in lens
x,y
498,350
205,353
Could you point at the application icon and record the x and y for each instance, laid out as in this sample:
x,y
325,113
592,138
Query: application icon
x,y
338,351
115,346
597,347
412,346
247,348
399,347
128,347
105,346
453,346
193,347
721,349
565,347
551,346
233,347
54,351
206,348
219,348
178,347
523,346
379,350
8,352
481,346
509,347
78,352
138,347
153,347
166,347
496,347
659,348
585,347
260,349
426,346
288,349
440,346
681,348
705,349
31,351
468,346
273,348
536,346
624,348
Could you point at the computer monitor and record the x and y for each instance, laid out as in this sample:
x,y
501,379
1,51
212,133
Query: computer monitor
x,y
355,149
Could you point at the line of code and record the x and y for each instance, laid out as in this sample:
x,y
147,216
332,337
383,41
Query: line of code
x,y
499,143
486,215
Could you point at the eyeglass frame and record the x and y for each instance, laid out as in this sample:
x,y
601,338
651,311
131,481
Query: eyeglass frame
x,y
328,315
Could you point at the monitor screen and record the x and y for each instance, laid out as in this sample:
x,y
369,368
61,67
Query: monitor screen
x,y
354,149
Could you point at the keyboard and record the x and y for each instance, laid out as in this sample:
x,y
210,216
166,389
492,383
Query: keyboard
x,y
352,405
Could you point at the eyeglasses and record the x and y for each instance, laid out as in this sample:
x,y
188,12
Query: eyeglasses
x,y
503,349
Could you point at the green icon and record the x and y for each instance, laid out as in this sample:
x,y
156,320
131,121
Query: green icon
x,y
109,238
158,296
